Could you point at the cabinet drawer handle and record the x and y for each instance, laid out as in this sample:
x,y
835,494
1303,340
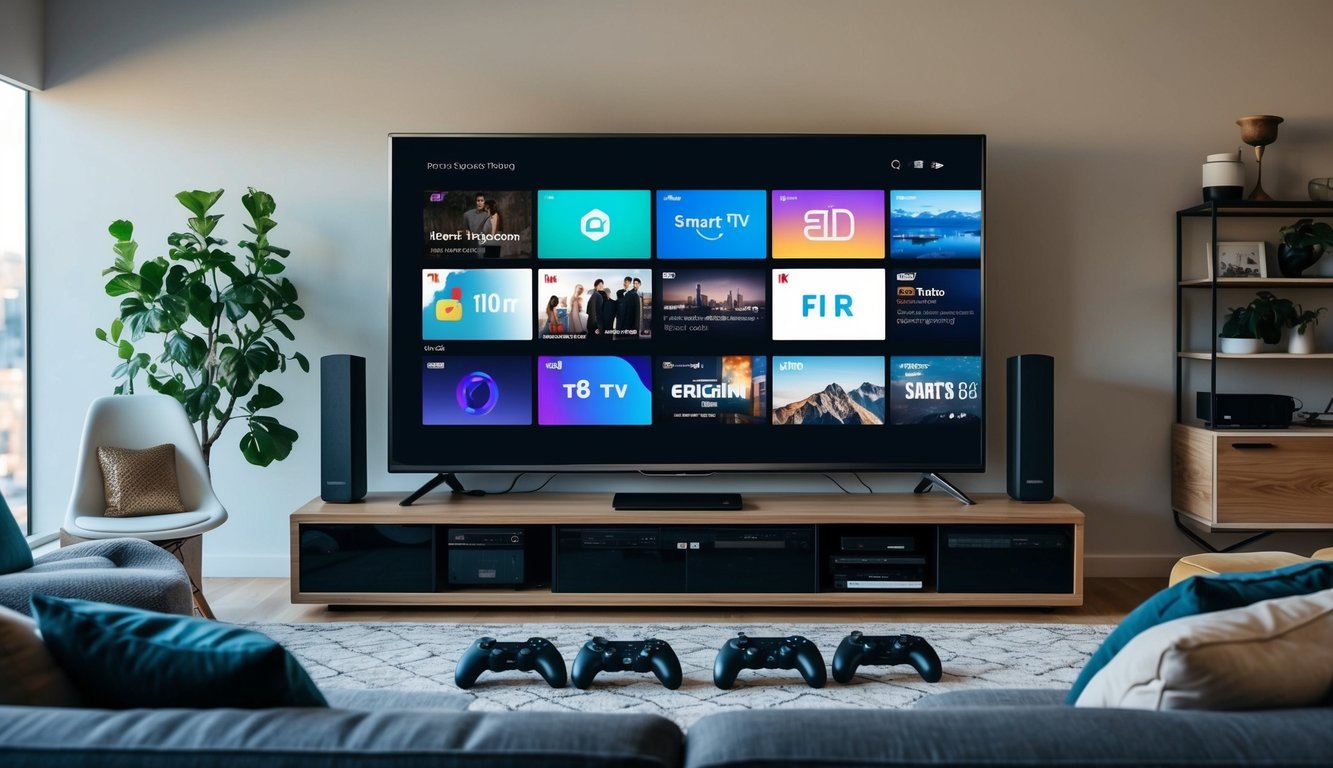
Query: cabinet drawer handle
x,y
1251,446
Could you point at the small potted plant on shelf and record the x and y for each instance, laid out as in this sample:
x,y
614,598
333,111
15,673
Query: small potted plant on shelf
x,y
1301,244
1260,322
1302,341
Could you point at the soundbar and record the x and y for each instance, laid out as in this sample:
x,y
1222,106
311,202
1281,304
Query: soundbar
x,y
639,502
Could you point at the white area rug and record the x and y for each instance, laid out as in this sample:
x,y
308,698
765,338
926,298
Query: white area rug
x,y
423,657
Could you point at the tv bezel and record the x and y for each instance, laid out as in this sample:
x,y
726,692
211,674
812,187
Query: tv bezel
x,y
684,468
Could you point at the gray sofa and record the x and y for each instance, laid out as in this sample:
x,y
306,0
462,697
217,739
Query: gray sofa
x,y
377,728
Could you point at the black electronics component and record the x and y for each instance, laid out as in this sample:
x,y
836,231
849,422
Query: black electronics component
x,y
1031,427
1246,411
482,556
342,428
879,543
1006,558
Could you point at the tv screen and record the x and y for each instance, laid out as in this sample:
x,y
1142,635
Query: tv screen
x,y
686,302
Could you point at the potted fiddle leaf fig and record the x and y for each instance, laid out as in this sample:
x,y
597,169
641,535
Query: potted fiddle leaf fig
x,y
1301,244
1260,322
218,317
1302,341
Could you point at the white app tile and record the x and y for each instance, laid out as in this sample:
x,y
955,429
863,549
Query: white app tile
x,y
828,304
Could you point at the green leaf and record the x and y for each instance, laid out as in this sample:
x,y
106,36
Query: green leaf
x,y
276,251
121,229
123,284
176,280
175,308
265,397
251,451
302,361
243,293
150,276
235,312
177,349
283,329
199,201
287,289
200,400
272,267
258,204
117,326
231,270
100,334
204,225
125,251
294,311
125,351
119,371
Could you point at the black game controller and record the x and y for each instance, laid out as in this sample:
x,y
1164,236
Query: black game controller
x,y
536,654
793,652
857,649
602,655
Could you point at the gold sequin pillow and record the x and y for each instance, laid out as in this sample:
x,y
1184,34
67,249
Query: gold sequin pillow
x,y
140,482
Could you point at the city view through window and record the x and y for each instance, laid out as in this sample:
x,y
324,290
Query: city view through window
x,y
13,301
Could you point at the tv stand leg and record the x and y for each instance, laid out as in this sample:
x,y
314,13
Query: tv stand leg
x,y
448,478
930,480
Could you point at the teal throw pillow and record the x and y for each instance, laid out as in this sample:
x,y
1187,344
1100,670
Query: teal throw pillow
x,y
15,554
1205,594
122,658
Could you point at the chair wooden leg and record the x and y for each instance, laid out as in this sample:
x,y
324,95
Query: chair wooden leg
x,y
190,553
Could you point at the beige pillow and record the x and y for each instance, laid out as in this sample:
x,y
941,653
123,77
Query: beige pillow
x,y
140,482
29,675
1274,653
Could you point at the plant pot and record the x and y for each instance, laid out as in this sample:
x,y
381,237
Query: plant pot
x,y
1239,346
1292,260
1301,343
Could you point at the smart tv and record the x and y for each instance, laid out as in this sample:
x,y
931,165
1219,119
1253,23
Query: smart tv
x,y
687,303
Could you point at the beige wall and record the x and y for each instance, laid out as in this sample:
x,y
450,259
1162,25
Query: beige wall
x,y
1098,115
21,42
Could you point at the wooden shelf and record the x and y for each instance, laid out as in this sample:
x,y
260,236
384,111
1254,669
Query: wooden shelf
x,y
545,598
1261,282
1256,356
562,509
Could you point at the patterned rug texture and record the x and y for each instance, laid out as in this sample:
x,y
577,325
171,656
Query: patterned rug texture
x,y
423,657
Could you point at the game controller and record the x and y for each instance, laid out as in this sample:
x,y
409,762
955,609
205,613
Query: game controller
x,y
536,654
858,650
793,652
602,655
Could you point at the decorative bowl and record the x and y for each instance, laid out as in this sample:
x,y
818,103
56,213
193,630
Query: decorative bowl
x,y
1321,189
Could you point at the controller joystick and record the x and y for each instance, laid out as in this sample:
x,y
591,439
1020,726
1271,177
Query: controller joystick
x,y
793,652
857,650
602,655
536,654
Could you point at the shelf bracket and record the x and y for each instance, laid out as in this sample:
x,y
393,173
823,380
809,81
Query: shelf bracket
x,y
1207,546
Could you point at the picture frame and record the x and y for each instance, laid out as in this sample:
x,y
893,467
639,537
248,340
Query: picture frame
x,y
1238,259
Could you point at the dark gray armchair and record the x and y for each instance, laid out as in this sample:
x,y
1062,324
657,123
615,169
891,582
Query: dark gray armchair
x,y
129,572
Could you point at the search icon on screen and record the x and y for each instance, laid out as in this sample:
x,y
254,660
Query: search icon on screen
x,y
896,165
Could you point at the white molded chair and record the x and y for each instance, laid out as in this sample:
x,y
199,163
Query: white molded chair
x,y
143,421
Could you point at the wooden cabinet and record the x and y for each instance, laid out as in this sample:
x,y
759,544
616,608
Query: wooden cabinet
x,y
1253,479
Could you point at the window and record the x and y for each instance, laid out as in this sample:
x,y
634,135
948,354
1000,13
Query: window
x,y
14,301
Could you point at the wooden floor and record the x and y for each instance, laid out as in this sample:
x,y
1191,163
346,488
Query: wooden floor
x,y
1106,601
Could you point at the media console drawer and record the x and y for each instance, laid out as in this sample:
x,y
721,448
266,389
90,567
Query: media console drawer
x,y
1256,479
686,559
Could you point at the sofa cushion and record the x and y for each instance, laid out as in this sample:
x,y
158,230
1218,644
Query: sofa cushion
x,y
127,657
15,554
372,699
1204,594
334,738
994,697
1006,737
1275,653
29,675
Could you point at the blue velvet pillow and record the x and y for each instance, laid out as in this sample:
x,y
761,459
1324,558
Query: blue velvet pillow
x,y
124,657
15,554
1205,594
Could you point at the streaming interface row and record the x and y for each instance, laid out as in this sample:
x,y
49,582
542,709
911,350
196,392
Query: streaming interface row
x,y
588,390
703,224
624,304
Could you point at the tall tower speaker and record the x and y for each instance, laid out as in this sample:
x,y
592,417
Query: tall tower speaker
x,y
1031,427
342,428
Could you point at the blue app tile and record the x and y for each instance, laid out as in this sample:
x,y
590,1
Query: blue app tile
x,y
712,224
